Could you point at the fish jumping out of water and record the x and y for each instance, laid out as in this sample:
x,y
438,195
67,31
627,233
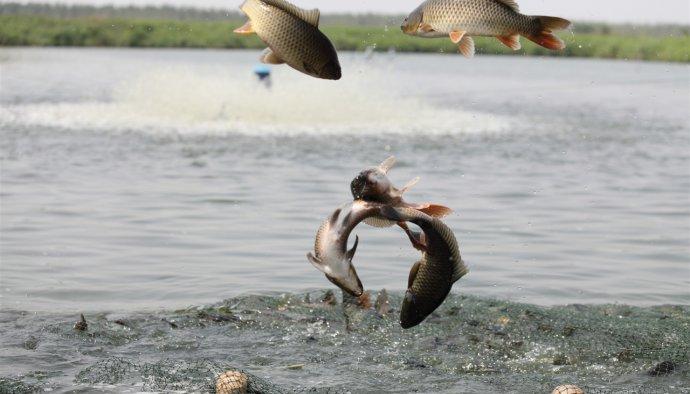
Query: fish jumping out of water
x,y
293,37
462,19
330,248
373,185
432,277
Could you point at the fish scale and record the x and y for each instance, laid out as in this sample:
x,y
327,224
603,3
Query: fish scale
x,y
432,277
476,17
292,39
461,19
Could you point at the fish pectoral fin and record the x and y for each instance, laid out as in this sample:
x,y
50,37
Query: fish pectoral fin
x,y
466,46
413,273
351,252
269,57
512,42
459,270
409,185
245,29
387,164
456,36
316,262
425,27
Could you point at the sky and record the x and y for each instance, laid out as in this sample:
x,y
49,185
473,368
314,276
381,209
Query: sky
x,y
638,11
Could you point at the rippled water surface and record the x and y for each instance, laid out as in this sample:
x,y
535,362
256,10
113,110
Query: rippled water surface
x,y
142,181
138,179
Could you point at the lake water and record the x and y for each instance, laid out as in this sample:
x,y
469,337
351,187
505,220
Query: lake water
x,y
140,181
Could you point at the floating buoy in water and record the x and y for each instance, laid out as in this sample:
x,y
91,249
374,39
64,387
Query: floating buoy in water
x,y
231,382
567,389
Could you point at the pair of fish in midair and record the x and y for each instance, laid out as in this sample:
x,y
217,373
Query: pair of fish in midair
x,y
293,36
378,203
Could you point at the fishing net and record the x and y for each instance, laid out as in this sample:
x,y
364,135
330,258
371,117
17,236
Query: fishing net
x,y
327,343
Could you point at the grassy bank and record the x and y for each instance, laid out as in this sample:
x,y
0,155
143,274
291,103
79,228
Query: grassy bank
x,y
28,30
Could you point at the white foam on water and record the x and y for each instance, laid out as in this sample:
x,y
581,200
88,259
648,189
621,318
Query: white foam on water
x,y
191,100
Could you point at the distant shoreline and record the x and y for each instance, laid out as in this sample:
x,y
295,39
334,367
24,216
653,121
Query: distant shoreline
x,y
33,30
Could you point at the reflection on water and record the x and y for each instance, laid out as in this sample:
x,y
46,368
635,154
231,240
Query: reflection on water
x,y
138,179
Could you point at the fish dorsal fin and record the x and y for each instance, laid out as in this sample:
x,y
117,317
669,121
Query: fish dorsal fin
x,y
351,252
409,185
459,270
387,164
310,16
413,273
378,222
512,4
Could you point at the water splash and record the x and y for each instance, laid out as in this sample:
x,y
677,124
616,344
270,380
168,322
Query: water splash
x,y
191,100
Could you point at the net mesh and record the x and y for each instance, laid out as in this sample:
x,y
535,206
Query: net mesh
x,y
322,342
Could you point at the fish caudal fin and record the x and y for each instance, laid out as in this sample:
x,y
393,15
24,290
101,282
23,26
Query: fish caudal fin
x,y
434,210
466,46
512,42
546,26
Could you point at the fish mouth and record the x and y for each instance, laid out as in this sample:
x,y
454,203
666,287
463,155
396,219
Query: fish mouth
x,y
358,186
409,315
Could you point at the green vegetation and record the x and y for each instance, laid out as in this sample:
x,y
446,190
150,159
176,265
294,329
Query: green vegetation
x,y
38,30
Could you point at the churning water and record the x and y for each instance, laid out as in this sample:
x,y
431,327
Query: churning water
x,y
140,181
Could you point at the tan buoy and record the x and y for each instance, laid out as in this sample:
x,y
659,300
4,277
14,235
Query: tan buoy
x,y
231,382
568,389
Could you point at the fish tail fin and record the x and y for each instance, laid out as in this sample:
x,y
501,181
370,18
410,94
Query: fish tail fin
x,y
543,32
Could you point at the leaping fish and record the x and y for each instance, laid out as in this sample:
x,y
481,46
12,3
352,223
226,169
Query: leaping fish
x,y
330,248
462,19
374,185
293,37
432,277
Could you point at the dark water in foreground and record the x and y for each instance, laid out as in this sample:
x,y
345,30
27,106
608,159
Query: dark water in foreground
x,y
137,182
469,345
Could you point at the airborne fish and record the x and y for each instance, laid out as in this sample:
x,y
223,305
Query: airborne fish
x,y
432,277
373,185
293,37
330,248
462,19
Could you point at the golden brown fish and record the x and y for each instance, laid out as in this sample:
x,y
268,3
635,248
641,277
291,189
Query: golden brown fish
x,y
432,277
293,37
373,185
462,19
